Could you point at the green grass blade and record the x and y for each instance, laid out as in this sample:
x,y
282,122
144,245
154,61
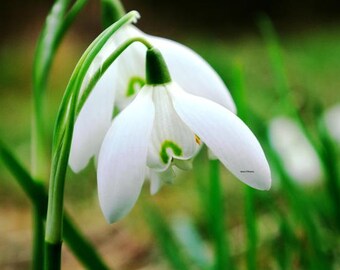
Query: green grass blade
x,y
301,208
165,238
238,84
217,218
112,10
78,244
38,240
188,236
329,160
251,228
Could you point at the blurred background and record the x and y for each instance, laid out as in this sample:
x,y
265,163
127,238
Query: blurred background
x,y
264,48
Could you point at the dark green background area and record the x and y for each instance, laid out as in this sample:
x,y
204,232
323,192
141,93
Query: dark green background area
x,y
227,35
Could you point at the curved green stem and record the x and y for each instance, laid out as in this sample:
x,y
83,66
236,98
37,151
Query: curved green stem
x,y
107,63
112,11
82,67
221,242
38,240
251,228
250,218
62,143
36,193
49,40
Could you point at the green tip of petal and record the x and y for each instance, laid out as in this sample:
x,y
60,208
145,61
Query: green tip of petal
x,y
156,69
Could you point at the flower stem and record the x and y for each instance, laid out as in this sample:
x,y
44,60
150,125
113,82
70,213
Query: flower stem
x,y
250,218
62,143
251,228
107,63
112,11
302,210
77,243
329,162
45,52
221,243
38,240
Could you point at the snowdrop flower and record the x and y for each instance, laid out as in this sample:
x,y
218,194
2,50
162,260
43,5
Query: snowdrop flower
x,y
121,82
332,120
165,125
298,156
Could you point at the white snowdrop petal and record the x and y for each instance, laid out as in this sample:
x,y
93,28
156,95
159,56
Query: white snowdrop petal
x,y
332,119
227,136
122,158
170,138
193,73
186,67
92,123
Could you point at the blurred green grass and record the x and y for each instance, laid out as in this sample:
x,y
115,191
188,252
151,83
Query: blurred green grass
x,y
312,65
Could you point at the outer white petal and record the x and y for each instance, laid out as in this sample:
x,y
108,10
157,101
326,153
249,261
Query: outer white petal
x,y
92,122
95,118
122,158
227,136
298,156
169,133
193,73
186,67
332,119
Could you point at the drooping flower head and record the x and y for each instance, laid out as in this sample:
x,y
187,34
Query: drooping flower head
x,y
165,126
122,81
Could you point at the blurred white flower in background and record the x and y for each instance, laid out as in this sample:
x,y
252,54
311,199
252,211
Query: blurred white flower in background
x,y
332,120
297,154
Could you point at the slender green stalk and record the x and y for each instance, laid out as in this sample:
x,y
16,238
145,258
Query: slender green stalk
x,y
112,11
48,42
281,81
301,209
107,63
62,141
38,240
69,18
329,163
190,239
251,228
83,249
59,170
220,237
42,63
296,196
165,237
242,111
284,252
54,30
81,68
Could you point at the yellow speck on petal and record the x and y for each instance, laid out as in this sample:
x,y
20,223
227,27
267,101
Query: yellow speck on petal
x,y
197,139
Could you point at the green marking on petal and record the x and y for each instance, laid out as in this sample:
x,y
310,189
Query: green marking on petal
x,y
174,147
133,83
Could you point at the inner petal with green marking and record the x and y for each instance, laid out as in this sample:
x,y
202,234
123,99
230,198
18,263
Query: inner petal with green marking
x,y
135,83
171,139
169,145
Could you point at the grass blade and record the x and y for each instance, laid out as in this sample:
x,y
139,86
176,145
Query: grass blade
x,y
82,249
216,218
165,238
